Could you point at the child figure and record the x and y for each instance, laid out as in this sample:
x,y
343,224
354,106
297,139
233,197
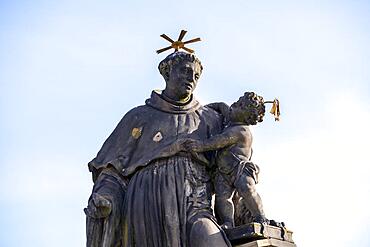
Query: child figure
x,y
235,171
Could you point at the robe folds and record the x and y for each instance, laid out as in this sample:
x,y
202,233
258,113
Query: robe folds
x,y
165,190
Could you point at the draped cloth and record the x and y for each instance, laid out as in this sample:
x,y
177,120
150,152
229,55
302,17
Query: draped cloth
x,y
161,201
165,193
155,205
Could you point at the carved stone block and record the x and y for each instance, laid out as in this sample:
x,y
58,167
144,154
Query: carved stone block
x,y
254,231
267,243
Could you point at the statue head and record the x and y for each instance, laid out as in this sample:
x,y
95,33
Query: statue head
x,y
181,72
249,109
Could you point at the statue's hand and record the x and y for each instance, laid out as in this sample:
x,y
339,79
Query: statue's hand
x,y
192,145
98,206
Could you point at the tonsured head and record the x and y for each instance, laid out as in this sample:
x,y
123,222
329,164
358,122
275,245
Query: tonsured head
x,y
181,72
249,109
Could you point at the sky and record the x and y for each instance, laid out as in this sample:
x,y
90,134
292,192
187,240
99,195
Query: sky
x,y
69,70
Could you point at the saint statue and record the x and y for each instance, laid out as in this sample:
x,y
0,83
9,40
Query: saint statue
x,y
147,193
155,175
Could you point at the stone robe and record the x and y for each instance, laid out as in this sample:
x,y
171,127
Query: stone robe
x,y
166,191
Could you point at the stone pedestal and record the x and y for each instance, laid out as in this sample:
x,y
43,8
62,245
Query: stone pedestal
x,y
267,243
259,235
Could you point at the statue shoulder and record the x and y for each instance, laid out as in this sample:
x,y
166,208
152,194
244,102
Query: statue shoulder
x,y
247,132
220,110
137,112
220,107
136,115
128,128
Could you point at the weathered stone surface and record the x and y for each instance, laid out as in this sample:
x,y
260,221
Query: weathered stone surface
x,y
267,243
255,231
155,175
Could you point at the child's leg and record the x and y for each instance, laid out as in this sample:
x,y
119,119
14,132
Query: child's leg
x,y
224,206
246,187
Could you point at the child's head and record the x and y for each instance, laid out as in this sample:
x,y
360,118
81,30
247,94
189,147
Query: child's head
x,y
249,109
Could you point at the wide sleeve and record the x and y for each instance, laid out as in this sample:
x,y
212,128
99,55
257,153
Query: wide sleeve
x,y
117,149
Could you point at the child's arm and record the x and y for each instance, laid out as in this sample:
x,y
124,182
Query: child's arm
x,y
229,137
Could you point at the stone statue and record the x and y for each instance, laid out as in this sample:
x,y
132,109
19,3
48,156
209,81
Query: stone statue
x,y
155,175
146,192
234,168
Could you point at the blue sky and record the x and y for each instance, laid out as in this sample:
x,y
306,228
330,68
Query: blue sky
x,y
69,70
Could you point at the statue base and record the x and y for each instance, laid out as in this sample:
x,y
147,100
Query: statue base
x,y
256,235
267,243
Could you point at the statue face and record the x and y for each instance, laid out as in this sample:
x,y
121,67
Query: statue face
x,y
182,79
236,114
243,115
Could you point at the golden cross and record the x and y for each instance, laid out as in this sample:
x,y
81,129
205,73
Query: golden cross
x,y
178,44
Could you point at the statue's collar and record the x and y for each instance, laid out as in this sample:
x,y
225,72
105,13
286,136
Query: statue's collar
x,y
159,102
